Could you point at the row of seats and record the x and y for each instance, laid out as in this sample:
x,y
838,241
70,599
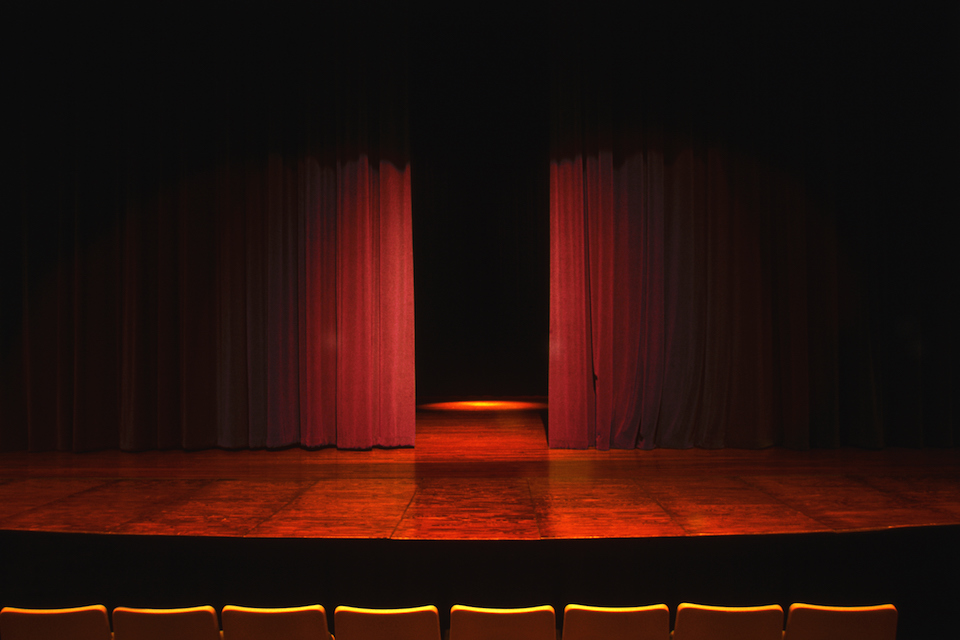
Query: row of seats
x,y
580,622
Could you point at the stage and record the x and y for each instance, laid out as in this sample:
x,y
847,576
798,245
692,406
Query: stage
x,y
479,475
482,512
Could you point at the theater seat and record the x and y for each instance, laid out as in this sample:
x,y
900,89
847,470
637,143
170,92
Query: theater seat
x,y
77,623
191,623
289,623
478,623
582,622
815,622
704,622
414,623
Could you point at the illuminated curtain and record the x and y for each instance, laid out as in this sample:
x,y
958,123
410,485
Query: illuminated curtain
x,y
680,298
749,229
215,244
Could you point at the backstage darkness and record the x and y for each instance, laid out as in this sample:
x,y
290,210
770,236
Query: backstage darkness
x,y
480,187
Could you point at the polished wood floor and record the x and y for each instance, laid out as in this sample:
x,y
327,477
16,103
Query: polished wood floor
x,y
478,475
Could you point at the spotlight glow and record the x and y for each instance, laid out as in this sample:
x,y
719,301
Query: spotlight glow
x,y
485,405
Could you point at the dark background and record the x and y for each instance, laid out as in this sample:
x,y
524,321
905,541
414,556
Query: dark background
x,y
480,162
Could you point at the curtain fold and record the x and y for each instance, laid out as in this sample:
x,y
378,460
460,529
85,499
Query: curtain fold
x,y
679,312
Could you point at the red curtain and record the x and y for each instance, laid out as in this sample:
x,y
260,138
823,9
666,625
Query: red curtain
x,y
681,310
219,253
749,229
678,300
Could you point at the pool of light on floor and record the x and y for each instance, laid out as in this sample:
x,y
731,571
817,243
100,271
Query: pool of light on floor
x,y
485,405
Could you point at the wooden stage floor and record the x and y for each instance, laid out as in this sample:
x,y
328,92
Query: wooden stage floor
x,y
478,475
